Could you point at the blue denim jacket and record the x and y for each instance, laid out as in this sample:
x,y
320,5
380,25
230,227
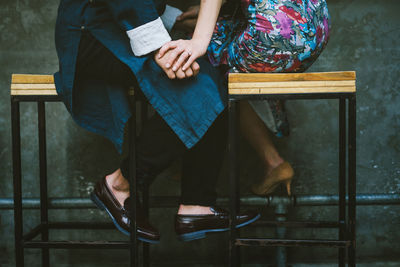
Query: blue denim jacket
x,y
188,106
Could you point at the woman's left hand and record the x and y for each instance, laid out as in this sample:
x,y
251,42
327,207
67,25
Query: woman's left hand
x,y
184,52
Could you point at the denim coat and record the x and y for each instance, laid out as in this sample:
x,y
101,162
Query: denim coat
x,y
188,106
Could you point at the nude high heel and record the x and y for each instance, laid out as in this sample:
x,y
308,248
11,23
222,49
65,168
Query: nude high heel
x,y
282,174
288,184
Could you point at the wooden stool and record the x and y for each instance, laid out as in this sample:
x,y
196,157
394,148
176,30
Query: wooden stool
x,y
325,85
41,89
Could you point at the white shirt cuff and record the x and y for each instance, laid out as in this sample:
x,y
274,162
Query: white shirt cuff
x,y
148,37
169,16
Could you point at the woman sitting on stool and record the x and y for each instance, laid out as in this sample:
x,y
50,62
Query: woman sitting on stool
x,y
261,36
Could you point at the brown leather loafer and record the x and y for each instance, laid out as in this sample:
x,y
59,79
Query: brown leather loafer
x,y
104,199
191,227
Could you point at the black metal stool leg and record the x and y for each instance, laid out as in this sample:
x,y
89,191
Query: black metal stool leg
x,y
234,257
43,181
133,185
352,181
16,150
342,179
146,247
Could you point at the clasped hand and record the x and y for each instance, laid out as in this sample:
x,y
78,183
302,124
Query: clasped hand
x,y
178,58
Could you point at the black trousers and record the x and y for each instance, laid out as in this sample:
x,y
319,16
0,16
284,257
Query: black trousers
x,y
157,145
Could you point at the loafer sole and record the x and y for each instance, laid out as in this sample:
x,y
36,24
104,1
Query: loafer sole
x,y
101,206
202,233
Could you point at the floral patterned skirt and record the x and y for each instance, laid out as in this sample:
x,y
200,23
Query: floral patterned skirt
x,y
272,36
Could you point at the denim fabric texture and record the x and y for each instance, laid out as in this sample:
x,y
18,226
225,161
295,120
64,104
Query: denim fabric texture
x,y
188,106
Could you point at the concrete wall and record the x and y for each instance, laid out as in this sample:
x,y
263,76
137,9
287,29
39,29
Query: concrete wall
x,y
365,38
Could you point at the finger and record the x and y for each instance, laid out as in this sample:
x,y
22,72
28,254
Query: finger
x,y
189,62
189,72
195,7
180,74
181,16
184,56
196,68
165,48
170,74
172,57
192,13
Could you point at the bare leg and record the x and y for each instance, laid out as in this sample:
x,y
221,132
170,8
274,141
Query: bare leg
x,y
255,131
118,185
277,170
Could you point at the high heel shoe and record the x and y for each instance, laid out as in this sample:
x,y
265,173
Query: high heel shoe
x,y
282,174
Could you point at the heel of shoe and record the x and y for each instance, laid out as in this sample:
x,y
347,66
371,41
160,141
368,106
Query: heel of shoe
x,y
288,184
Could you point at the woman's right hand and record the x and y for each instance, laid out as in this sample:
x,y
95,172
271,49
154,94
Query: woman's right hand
x,y
185,52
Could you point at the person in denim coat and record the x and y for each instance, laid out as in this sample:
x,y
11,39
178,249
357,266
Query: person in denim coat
x,y
106,46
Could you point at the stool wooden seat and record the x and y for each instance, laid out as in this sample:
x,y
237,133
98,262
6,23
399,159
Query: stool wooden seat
x,y
39,85
323,85
292,83
41,89
27,84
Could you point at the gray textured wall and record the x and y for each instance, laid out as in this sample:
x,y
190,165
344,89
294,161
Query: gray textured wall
x,y
365,38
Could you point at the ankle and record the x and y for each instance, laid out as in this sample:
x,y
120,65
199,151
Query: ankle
x,y
194,209
120,187
117,182
273,162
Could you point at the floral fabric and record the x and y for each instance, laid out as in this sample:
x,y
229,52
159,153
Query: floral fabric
x,y
272,36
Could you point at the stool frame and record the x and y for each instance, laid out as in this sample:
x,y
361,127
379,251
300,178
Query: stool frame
x,y
347,155
23,241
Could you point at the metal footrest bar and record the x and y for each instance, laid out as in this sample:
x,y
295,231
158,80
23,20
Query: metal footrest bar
x,y
66,226
78,244
297,224
264,242
81,225
249,201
